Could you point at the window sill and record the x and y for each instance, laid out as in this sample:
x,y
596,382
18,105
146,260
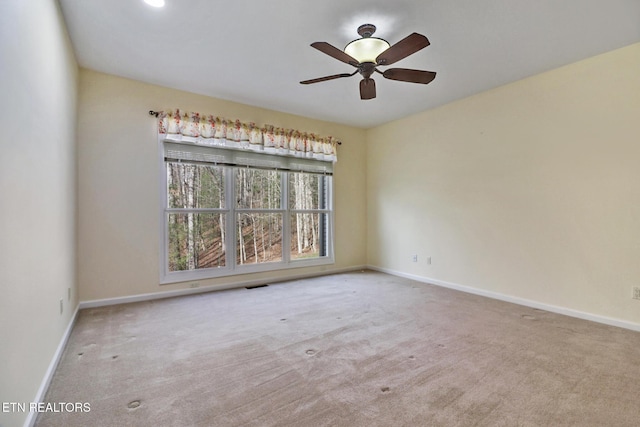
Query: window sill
x,y
240,270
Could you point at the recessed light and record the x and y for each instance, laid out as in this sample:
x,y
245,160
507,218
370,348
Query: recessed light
x,y
155,3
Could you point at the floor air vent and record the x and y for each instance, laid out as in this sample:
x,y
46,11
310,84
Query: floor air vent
x,y
257,286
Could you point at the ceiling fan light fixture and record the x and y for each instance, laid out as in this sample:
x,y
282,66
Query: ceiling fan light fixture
x,y
367,53
366,49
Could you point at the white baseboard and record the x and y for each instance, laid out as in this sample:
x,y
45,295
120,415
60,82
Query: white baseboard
x,y
191,291
515,300
48,376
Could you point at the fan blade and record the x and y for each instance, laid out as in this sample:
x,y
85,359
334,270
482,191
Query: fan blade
x,y
405,47
407,75
334,52
367,89
324,79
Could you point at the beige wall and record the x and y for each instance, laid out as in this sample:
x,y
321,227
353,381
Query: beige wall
x,y
530,190
119,196
38,84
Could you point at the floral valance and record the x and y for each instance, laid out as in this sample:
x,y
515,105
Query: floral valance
x,y
208,130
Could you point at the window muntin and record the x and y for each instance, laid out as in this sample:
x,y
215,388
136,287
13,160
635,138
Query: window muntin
x,y
194,186
309,235
258,188
196,241
259,238
307,191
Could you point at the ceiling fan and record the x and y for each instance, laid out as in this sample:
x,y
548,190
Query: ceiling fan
x,y
368,53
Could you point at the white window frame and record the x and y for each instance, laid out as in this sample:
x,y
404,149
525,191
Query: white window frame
x,y
231,267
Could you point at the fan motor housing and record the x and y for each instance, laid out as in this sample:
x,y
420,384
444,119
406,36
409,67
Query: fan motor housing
x,y
366,30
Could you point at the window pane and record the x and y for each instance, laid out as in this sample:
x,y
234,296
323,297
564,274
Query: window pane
x,y
191,186
196,240
307,191
259,238
258,189
309,235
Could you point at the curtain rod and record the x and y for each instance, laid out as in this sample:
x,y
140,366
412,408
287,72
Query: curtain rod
x,y
157,113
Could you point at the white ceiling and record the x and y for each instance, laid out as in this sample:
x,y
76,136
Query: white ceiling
x,y
256,52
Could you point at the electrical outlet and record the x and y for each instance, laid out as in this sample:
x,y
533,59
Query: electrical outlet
x,y
636,292
61,305
414,258
429,260
195,285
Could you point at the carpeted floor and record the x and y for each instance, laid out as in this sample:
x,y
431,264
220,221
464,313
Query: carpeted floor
x,y
357,349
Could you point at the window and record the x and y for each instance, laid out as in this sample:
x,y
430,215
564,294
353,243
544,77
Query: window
x,y
222,218
196,216
308,203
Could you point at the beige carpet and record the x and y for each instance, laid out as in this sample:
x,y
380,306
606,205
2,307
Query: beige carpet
x,y
358,349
